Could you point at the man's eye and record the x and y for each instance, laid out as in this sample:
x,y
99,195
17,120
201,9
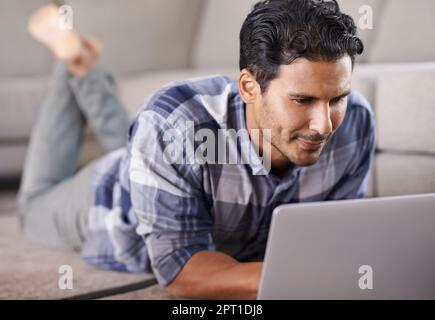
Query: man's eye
x,y
302,101
337,100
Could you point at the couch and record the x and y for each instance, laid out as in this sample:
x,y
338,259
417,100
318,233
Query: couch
x,y
151,42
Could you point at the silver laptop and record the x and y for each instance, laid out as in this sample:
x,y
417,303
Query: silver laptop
x,y
380,248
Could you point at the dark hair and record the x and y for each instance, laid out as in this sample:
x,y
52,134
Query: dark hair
x,y
277,32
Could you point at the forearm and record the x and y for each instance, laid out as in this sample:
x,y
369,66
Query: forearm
x,y
215,275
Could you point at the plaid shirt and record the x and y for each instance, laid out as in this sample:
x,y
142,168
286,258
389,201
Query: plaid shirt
x,y
152,216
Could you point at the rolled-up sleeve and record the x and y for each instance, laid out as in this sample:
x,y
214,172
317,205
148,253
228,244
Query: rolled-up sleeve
x,y
174,217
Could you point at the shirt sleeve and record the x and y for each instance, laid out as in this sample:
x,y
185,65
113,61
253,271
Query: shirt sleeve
x,y
354,183
174,217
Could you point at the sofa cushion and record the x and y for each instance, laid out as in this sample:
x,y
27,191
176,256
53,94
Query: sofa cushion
x,y
403,33
20,55
405,111
371,189
134,90
366,76
139,35
398,174
13,155
364,85
135,40
20,100
217,40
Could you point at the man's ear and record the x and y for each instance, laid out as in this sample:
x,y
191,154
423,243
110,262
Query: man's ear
x,y
248,86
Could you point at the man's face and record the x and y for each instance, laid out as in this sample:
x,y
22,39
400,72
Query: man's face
x,y
303,107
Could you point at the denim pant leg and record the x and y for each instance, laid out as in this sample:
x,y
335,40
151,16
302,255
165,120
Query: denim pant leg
x,y
54,198
97,99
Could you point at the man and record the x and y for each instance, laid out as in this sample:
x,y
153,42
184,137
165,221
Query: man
x,y
200,226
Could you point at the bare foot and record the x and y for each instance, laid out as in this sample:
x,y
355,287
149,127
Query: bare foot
x,y
44,25
87,58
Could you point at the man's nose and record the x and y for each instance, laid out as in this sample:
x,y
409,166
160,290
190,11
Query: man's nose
x,y
321,120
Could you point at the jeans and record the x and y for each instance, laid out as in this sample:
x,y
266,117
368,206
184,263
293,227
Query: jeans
x,y
55,195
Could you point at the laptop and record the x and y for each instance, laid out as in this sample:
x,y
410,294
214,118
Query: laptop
x,y
379,248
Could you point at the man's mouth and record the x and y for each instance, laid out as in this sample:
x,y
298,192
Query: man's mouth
x,y
309,145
